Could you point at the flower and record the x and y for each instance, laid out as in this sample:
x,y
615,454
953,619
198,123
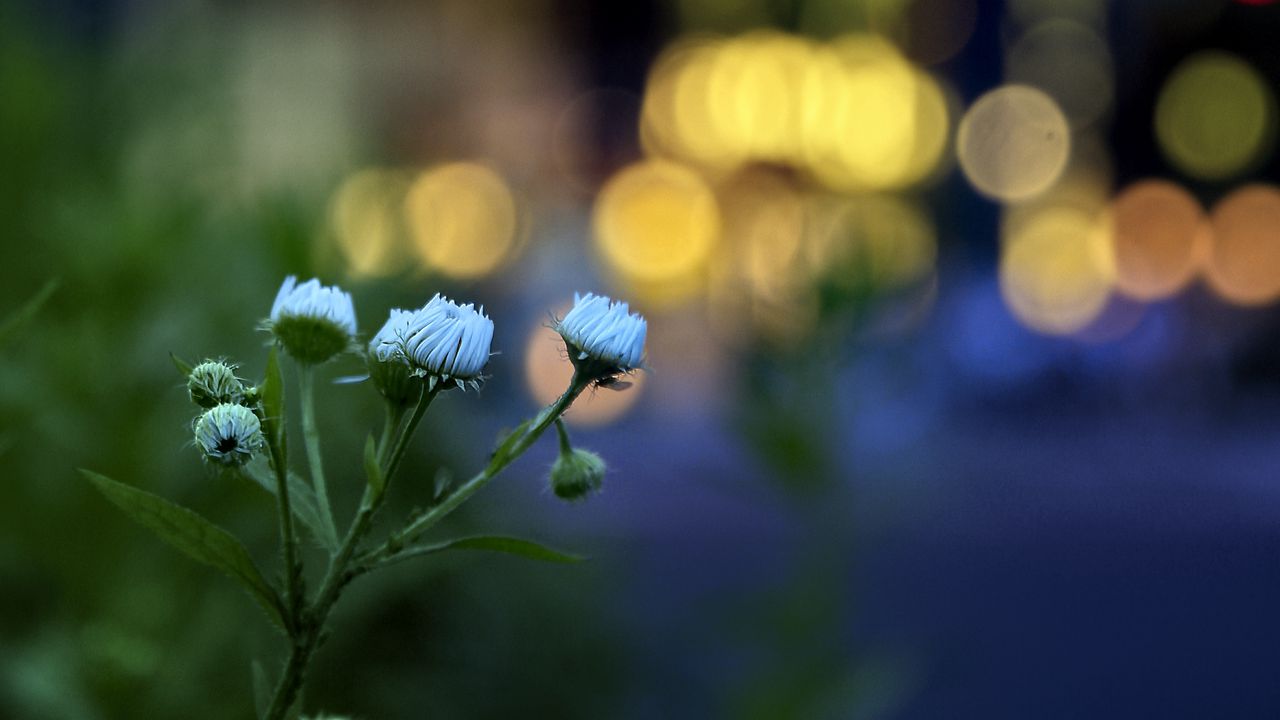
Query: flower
x,y
213,382
229,434
311,321
440,341
603,338
388,371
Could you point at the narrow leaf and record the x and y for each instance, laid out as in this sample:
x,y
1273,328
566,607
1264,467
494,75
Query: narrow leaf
x,y
14,322
183,366
441,482
302,498
509,442
273,400
492,543
372,469
261,690
193,535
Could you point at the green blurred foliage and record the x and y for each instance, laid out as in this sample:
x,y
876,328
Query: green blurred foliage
x,y
119,177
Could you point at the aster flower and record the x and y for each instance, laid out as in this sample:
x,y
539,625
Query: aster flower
x,y
602,337
389,372
229,434
441,341
313,322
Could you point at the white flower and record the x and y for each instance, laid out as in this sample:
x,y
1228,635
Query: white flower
x,y
442,340
312,321
229,434
603,331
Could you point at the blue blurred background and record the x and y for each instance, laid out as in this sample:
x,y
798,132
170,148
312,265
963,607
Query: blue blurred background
x,y
964,396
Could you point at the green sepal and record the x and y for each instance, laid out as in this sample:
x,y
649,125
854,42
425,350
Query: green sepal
x,y
491,543
302,500
193,535
183,366
373,470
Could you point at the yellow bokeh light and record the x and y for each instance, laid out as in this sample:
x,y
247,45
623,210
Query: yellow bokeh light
x,y
880,241
753,93
463,219
364,215
1056,270
764,220
1214,116
1243,265
1013,143
1159,231
656,221
870,119
548,373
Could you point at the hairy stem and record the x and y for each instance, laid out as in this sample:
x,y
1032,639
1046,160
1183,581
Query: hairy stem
x,y
311,435
292,571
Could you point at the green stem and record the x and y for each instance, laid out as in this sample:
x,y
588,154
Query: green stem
x,y
339,574
292,571
550,414
311,435
394,414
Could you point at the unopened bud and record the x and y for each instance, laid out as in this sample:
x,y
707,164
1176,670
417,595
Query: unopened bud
x,y
214,383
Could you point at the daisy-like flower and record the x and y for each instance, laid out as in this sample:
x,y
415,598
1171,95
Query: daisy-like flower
x,y
229,434
441,341
389,372
602,337
313,322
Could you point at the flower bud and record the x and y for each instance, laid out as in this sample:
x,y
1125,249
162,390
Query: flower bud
x,y
389,373
229,434
213,382
312,322
442,341
602,337
576,473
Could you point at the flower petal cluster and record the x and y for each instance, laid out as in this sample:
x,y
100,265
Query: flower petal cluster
x,y
441,340
229,434
313,322
603,337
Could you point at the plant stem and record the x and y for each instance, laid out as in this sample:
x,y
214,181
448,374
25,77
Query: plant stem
x,y
293,596
339,574
451,502
311,435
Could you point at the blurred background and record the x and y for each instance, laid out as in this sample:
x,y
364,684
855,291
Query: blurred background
x,y
964,396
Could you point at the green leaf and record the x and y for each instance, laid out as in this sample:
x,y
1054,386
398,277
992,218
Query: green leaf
x,y
492,543
372,469
183,366
273,401
302,499
261,690
14,322
193,535
508,443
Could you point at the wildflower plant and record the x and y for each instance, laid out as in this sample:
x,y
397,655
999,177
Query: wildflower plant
x,y
413,358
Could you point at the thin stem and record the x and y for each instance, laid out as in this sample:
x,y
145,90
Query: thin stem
x,y
499,462
394,414
311,434
293,595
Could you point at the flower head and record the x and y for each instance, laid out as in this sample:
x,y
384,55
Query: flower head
x,y
213,382
441,341
602,337
576,473
229,434
388,371
312,321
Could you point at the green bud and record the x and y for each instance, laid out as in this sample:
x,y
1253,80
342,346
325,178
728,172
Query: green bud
x,y
229,434
394,380
214,383
576,473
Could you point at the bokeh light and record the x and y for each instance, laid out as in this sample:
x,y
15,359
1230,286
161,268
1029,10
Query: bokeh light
x,y
1013,143
463,219
1244,262
1068,60
1214,116
656,222
884,242
548,372
1159,235
365,219
1056,269
934,31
